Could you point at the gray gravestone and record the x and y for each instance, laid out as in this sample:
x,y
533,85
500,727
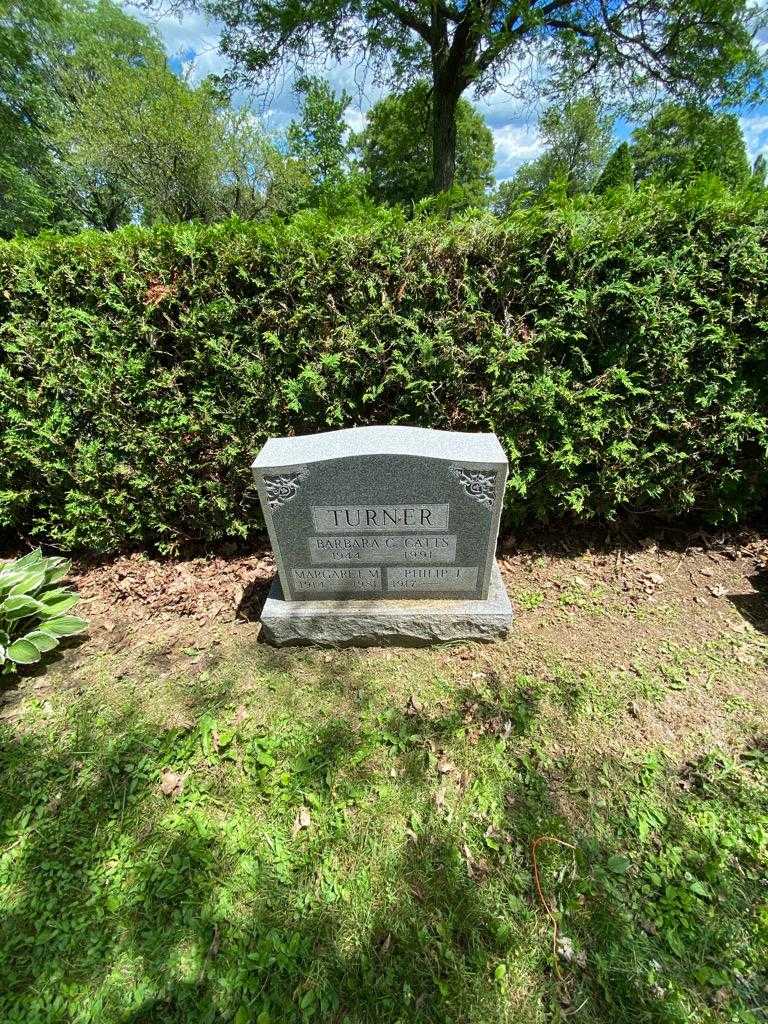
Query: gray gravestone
x,y
383,533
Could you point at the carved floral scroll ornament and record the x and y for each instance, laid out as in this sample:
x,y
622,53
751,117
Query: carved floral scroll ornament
x,y
282,488
478,484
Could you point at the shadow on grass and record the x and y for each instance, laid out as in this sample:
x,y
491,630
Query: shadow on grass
x,y
122,905
252,602
14,685
754,607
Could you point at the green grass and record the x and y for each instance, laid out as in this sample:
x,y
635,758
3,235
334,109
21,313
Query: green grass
x,y
420,784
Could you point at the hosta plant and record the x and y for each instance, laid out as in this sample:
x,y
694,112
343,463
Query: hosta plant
x,y
34,609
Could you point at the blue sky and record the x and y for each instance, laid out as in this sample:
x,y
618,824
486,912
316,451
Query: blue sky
x,y
192,42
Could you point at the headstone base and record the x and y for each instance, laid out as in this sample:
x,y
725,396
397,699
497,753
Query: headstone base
x,y
405,623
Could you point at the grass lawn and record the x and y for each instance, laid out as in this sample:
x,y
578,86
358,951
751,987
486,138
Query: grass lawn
x,y
197,828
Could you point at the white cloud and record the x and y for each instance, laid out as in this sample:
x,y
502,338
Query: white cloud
x,y
515,144
755,128
192,39
193,42
355,118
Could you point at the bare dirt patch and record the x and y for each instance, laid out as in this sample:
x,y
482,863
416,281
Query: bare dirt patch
x,y
580,596
203,590
683,618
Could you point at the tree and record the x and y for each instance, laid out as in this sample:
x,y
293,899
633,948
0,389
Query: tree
x,y
702,48
576,138
26,30
319,143
618,171
177,152
51,53
396,150
96,130
319,137
680,142
759,171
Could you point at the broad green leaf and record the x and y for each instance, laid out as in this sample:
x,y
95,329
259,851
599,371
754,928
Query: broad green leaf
x,y
60,605
28,560
43,641
19,606
49,594
65,625
618,864
57,573
29,582
10,579
23,652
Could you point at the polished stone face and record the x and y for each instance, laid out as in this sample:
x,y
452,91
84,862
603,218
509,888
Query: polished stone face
x,y
383,512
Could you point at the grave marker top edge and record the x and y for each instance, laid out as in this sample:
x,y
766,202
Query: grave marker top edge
x,y
356,441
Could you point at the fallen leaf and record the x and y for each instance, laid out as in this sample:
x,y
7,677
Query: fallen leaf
x,y
476,868
414,706
721,997
303,820
171,783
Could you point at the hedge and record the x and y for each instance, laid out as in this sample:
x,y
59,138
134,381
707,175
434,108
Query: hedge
x,y
618,348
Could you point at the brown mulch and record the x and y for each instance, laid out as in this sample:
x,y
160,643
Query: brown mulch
x,y
716,581
203,590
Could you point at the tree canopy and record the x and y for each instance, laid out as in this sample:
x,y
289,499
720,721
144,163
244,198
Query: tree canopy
x,y
685,49
318,137
175,152
680,142
96,129
577,139
396,148
51,53
618,171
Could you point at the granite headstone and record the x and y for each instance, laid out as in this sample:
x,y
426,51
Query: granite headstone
x,y
365,519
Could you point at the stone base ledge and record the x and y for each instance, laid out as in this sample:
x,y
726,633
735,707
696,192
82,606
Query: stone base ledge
x,y
391,622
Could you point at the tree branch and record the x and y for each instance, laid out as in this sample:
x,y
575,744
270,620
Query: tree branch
x,y
409,19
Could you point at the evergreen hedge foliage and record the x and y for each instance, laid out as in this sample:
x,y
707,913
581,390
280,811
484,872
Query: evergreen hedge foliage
x,y
617,345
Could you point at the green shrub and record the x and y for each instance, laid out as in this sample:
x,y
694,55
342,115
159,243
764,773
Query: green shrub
x,y
616,344
33,609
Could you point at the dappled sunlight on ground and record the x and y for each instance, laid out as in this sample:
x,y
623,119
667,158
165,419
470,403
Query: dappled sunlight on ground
x,y
347,834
